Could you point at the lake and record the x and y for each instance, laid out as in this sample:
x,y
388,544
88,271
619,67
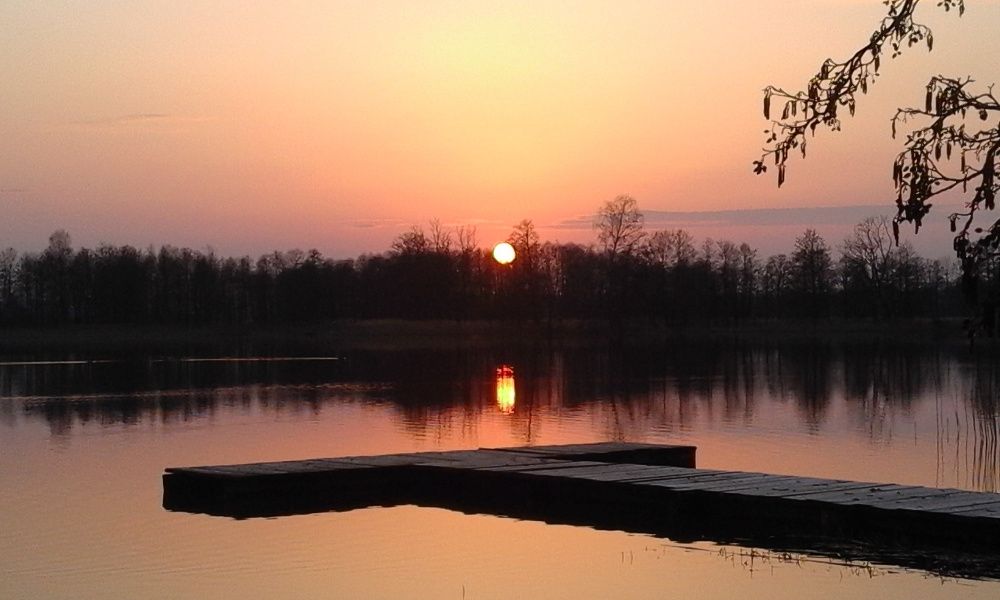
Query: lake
x,y
85,436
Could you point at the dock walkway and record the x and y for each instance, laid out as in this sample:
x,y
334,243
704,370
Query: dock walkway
x,y
632,487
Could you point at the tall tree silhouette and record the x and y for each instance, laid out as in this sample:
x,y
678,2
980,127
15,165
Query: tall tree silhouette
x,y
812,272
867,263
619,225
526,276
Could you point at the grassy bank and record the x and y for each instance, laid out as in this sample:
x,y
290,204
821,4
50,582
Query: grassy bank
x,y
389,334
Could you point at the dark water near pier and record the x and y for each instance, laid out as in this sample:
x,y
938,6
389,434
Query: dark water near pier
x,y
83,440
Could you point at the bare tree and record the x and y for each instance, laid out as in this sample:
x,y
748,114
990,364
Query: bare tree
x,y
954,143
812,270
55,264
465,236
749,271
670,248
869,263
440,238
729,270
413,241
869,249
526,242
619,226
8,276
60,246
527,277
776,276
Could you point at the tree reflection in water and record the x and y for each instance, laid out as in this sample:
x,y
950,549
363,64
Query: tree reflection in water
x,y
890,395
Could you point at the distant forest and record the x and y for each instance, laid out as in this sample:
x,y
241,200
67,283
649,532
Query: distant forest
x,y
442,274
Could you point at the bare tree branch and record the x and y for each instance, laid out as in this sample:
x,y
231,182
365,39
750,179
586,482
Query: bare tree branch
x,y
954,141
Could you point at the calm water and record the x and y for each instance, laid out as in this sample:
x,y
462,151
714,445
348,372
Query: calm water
x,y
84,440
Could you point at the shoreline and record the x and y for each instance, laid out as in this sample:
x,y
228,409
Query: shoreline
x,y
389,334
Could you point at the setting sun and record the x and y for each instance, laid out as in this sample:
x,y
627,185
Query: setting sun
x,y
504,253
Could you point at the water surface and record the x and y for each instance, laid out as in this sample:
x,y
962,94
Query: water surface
x,y
84,439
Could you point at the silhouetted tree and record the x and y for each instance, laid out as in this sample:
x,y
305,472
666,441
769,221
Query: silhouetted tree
x,y
440,238
728,275
670,248
8,280
55,275
867,262
776,282
671,254
524,238
619,226
749,269
422,269
952,143
668,279
940,293
411,242
470,267
579,278
526,280
812,272
908,279
82,287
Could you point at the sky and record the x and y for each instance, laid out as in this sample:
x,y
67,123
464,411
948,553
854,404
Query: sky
x,y
252,126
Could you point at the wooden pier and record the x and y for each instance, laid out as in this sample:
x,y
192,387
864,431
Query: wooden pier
x,y
632,487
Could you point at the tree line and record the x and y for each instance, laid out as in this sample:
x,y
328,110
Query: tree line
x,y
442,274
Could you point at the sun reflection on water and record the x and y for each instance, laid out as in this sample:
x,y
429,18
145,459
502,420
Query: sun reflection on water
x,y
505,389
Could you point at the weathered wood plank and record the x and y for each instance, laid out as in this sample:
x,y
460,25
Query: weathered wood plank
x,y
942,501
542,464
617,452
863,495
991,510
596,470
717,482
792,484
587,448
498,458
808,488
695,478
771,485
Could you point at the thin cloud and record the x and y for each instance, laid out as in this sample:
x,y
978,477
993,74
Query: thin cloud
x,y
396,223
373,223
139,120
476,223
820,215
127,119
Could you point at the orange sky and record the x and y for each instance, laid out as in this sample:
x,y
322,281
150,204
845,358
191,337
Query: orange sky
x,y
336,125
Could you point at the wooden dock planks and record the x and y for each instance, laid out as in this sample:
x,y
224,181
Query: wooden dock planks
x,y
635,487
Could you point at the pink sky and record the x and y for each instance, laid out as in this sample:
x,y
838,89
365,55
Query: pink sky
x,y
338,125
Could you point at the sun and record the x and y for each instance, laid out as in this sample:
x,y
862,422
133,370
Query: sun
x,y
504,253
